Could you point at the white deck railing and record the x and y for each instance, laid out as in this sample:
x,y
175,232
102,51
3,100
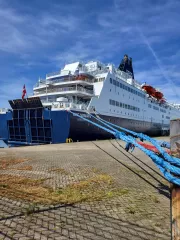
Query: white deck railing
x,y
65,89
3,110
45,83
53,74
62,106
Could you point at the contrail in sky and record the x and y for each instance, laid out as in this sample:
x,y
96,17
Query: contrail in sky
x,y
159,64
157,60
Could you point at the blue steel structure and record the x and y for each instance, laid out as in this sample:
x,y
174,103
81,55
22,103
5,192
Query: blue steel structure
x,y
29,123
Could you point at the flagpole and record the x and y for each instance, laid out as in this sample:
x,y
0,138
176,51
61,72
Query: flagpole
x,y
26,95
24,92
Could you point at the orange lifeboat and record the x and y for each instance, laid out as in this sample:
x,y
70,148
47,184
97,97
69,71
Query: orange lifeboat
x,y
81,77
149,89
159,95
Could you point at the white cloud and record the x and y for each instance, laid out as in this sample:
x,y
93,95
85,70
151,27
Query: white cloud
x,y
12,89
63,34
24,33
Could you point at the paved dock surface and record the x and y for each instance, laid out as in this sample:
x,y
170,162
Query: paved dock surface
x,y
141,212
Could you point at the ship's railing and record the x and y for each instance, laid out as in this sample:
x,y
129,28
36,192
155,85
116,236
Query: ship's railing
x,y
61,73
3,110
44,83
69,105
63,105
65,89
48,101
83,68
53,74
70,80
98,71
124,76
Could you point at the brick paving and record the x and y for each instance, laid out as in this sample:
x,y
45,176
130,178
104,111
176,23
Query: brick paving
x,y
143,213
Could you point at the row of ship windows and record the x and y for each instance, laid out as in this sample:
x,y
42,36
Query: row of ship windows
x,y
130,114
138,115
156,108
99,79
130,121
118,84
167,117
123,105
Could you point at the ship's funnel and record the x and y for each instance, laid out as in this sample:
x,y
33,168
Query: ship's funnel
x,y
126,65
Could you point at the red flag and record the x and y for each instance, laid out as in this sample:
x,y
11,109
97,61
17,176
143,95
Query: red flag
x,y
23,92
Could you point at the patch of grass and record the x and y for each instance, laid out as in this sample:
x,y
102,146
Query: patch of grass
x,y
154,199
30,209
131,210
59,170
96,188
118,192
25,168
3,186
123,191
22,188
12,233
157,224
95,170
6,162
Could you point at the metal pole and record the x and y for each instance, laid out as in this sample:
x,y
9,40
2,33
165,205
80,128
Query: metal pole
x,y
175,190
46,92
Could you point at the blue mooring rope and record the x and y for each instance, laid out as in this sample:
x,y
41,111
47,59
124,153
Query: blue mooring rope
x,y
163,163
156,143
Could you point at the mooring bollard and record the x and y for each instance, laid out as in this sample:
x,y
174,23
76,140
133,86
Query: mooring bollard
x,y
175,190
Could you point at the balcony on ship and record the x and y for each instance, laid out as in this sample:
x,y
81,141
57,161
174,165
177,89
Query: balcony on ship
x,y
73,90
63,81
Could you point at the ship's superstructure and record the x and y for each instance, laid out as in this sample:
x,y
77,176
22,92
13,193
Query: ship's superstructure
x,y
100,89
111,92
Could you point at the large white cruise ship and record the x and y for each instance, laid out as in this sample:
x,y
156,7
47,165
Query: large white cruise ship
x,y
103,90
110,92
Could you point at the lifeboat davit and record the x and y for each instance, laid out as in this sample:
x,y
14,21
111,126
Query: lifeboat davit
x,y
159,95
149,89
163,100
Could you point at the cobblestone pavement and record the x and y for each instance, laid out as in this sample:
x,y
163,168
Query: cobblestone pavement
x,y
143,213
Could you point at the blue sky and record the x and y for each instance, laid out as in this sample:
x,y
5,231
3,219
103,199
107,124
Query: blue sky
x,y
40,36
